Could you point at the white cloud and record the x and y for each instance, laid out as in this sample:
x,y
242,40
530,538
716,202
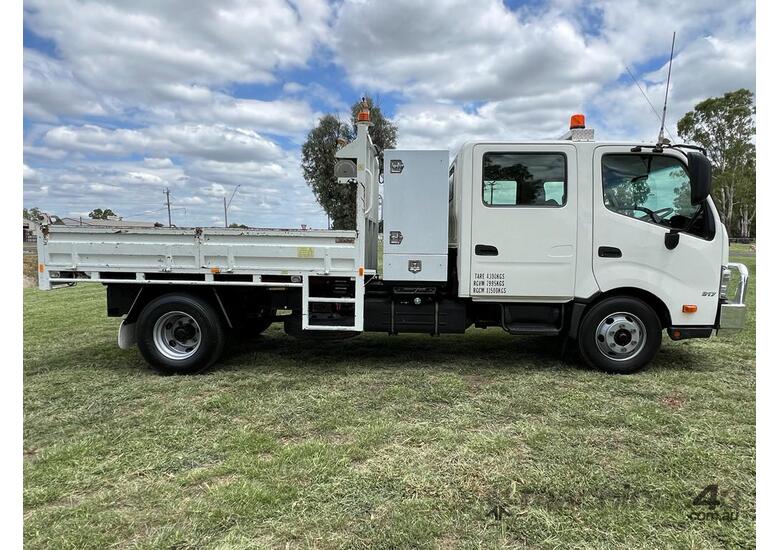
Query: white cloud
x,y
465,51
214,190
191,200
708,67
476,70
154,162
439,125
51,90
317,91
150,48
283,116
36,151
211,95
711,66
216,142
639,30
30,176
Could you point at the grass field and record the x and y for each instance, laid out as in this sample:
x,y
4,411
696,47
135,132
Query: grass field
x,y
379,442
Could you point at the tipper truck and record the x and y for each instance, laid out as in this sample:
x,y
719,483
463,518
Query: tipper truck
x,y
605,245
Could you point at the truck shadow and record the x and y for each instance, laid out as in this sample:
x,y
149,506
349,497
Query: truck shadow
x,y
489,349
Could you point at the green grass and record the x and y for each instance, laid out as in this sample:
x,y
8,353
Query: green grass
x,y
739,250
378,442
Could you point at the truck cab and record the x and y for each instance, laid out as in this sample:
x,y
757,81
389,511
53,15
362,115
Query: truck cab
x,y
564,221
605,243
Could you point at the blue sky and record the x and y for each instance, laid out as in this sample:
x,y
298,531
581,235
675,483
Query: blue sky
x,y
124,99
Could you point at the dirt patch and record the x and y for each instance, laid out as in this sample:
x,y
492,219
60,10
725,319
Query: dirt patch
x,y
674,402
30,270
475,381
30,453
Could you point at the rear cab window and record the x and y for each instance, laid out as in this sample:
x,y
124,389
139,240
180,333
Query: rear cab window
x,y
524,179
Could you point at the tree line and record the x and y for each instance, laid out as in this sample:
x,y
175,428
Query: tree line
x,y
725,126
34,213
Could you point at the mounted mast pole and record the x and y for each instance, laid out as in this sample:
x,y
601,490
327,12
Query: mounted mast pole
x,y
666,95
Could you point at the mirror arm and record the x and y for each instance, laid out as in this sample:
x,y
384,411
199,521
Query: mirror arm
x,y
696,214
672,239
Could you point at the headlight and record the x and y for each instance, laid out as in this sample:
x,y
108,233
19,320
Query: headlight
x,y
725,277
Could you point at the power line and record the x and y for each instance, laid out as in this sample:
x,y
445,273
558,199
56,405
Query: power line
x,y
657,115
144,213
226,203
643,93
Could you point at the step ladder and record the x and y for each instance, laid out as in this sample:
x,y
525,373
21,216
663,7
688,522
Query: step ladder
x,y
357,321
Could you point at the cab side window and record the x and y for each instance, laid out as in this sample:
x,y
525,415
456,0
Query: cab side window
x,y
655,189
524,179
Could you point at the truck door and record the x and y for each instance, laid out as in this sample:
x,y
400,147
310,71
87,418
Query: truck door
x,y
523,222
638,197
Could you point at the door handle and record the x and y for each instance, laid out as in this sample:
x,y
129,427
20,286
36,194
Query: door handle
x,y
485,250
609,252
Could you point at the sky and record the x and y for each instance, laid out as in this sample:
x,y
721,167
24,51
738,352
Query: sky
x,y
125,98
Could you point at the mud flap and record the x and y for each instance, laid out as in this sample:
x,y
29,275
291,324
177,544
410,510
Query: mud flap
x,y
126,338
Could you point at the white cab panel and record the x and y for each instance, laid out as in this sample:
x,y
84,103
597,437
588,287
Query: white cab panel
x,y
523,222
688,274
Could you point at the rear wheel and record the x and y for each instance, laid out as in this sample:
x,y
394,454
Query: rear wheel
x,y
180,334
620,335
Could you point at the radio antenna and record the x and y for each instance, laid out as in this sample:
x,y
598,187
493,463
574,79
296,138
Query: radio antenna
x,y
666,96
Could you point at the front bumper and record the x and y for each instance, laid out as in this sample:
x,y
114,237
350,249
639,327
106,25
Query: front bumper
x,y
731,317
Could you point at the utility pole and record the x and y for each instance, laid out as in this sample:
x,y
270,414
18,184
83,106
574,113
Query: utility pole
x,y
168,202
226,203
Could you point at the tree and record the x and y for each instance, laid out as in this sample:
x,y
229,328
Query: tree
x,y
100,214
634,193
318,158
725,127
32,214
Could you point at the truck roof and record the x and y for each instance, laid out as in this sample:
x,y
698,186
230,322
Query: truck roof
x,y
471,143
591,143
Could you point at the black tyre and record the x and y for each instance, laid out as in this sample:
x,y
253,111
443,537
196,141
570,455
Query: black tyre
x,y
180,334
620,335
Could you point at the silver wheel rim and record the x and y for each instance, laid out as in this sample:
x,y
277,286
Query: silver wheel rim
x,y
620,336
177,335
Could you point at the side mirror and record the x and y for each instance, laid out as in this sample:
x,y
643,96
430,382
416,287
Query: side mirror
x,y
700,171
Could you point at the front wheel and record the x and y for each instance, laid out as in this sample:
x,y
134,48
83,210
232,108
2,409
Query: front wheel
x,y
180,334
620,335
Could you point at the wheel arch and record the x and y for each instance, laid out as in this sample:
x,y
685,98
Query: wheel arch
x,y
656,303
648,297
141,295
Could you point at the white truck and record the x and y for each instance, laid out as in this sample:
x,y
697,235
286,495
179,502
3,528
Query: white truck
x,y
606,244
